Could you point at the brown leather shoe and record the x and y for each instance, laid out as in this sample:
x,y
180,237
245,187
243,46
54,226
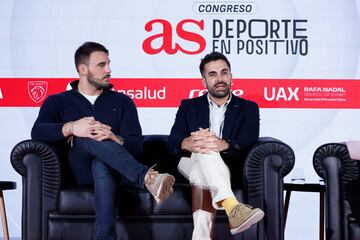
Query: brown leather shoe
x,y
243,216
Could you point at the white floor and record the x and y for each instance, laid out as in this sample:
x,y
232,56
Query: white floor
x,y
303,217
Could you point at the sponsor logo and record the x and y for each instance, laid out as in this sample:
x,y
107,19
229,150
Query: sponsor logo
x,y
281,93
37,90
145,93
325,89
199,92
324,92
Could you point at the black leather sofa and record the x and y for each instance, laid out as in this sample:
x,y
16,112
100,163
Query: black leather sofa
x,y
53,207
332,162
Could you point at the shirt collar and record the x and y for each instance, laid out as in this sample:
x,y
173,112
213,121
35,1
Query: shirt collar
x,y
212,104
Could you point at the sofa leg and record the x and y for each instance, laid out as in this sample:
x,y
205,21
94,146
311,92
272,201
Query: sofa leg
x,y
203,213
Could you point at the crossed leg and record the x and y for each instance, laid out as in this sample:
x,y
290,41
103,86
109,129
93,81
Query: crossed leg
x,y
207,189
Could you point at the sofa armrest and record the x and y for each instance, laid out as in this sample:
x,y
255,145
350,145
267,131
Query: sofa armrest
x,y
266,164
332,162
39,167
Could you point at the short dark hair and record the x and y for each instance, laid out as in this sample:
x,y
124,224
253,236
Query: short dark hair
x,y
82,54
214,56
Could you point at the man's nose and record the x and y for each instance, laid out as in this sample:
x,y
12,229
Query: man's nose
x,y
219,79
108,69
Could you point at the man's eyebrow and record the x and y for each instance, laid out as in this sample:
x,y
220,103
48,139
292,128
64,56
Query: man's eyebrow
x,y
103,62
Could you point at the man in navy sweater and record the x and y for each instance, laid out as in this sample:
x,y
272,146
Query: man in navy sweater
x,y
103,129
211,134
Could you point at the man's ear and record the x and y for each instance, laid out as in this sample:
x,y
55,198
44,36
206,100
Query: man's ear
x,y
203,80
82,68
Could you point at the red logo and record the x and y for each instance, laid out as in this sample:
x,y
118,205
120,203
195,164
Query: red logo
x,y
199,92
37,90
166,37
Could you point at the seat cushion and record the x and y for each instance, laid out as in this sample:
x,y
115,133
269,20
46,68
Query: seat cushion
x,y
80,200
133,201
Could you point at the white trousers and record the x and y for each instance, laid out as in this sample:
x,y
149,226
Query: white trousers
x,y
203,225
207,171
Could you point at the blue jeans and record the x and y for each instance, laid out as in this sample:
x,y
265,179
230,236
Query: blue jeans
x,y
105,164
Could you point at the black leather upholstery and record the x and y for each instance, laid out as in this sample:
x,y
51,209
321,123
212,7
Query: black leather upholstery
x,y
55,208
332,162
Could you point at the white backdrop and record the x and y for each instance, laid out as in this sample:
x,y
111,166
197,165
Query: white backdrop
x,y
38,39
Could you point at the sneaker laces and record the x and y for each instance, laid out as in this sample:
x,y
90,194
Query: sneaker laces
x,y
151,175
241,208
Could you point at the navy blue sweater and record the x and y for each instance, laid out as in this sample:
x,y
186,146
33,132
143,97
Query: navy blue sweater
x,y
112,108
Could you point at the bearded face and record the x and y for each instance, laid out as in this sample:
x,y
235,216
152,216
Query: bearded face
x,y
217,79
96,72
99,82
220,89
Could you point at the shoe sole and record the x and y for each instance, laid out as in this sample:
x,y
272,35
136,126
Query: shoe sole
x,y
256,217
165,188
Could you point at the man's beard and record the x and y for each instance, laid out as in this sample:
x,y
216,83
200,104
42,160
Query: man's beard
x,y
96,83
219,93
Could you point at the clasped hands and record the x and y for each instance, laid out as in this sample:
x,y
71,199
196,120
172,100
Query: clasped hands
x,y
204,141
90,128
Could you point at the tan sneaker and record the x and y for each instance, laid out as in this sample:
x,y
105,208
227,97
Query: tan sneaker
x,y
242,217
159,185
